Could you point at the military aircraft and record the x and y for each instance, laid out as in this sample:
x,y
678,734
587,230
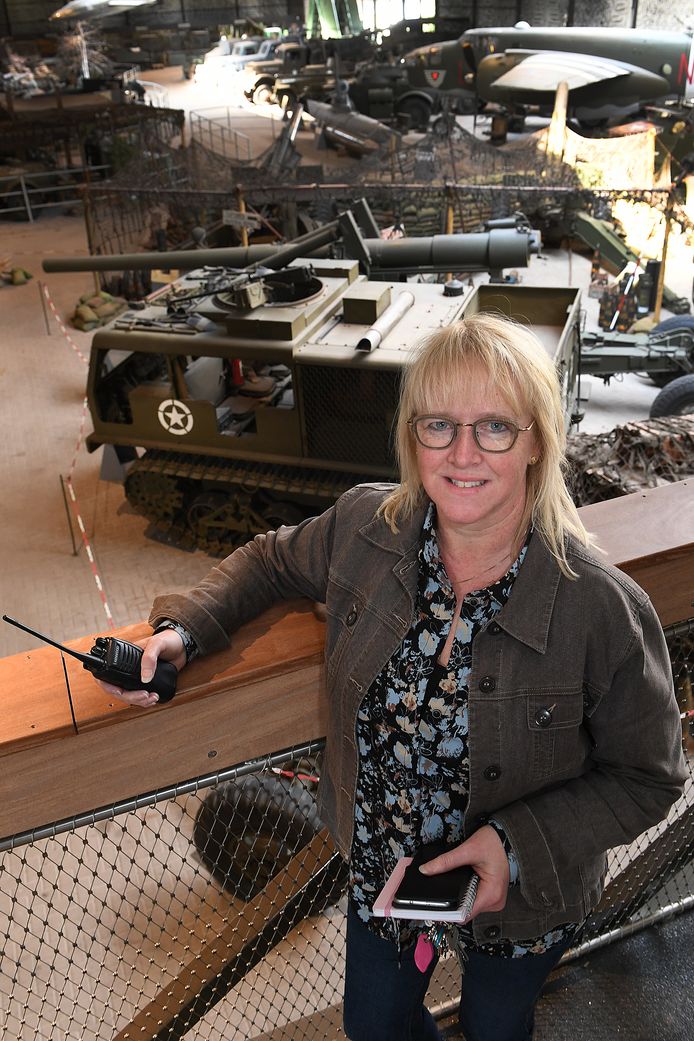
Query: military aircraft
x,y
609,72
98,8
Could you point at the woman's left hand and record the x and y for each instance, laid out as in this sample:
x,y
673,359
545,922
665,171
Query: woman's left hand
x,y
484,852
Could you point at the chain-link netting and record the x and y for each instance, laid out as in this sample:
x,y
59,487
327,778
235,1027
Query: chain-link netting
x,y
636,455
215,909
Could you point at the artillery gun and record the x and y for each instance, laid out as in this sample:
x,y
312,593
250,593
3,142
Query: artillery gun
x,y
264,382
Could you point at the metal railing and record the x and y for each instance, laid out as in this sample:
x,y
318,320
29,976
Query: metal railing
x,y
24,195
214,908
213,129
156,95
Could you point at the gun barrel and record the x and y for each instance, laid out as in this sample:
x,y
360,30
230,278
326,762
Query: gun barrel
x,y
479,251
235,256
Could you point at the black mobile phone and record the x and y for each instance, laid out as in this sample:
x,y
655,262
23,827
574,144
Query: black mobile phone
x,y
446,892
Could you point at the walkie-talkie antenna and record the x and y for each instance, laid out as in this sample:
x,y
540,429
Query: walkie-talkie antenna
x,y
89,659
116,662
69,694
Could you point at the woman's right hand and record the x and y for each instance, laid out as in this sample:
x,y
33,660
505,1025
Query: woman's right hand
x,y
166,645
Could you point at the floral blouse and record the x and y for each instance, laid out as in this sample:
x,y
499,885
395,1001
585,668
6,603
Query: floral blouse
x,y
412,737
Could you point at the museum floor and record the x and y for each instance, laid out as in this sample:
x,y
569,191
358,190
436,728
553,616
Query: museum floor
x,y
640,988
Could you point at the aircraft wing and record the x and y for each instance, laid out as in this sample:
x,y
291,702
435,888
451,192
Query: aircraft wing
x,y
545,70
99,8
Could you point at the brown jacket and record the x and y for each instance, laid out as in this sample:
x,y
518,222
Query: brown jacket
x,y
575,737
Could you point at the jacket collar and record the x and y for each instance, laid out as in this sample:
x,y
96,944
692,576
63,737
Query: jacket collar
x,y
405,542
528,612
526,615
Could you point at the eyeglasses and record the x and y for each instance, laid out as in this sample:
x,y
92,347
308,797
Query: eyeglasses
x,y
491,435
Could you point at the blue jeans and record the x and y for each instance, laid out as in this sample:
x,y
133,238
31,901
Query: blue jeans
x,y
384,995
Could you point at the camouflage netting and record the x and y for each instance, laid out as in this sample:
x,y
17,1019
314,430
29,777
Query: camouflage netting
x,y
460,158
631,457
432,183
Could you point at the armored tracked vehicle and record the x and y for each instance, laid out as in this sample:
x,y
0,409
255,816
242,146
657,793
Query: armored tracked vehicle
x,y
239,400
258,396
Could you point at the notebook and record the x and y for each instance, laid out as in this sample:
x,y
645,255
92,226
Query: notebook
x,y
408,893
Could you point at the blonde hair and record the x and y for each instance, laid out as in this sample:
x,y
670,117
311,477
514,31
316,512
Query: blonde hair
x,y
514,360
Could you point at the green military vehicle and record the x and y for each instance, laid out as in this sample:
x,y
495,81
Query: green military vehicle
x,y
257,396
260,385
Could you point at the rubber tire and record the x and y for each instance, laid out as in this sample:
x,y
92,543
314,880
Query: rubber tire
x,y
677,399
443,130
685,321
262,95
418,112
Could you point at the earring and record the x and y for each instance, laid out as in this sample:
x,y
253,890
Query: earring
x,y
534,459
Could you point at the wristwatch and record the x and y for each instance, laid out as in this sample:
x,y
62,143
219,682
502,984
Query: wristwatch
x,y
189,644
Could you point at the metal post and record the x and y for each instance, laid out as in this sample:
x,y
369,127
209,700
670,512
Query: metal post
x,y
42,297
661,272
26,198
75,550
449,221
241,206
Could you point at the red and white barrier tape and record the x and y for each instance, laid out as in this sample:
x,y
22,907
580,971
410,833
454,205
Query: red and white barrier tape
x,y
68,480
61,325
80,439
90,555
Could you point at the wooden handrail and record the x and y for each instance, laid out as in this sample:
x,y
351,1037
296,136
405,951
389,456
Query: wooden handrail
x,y
261,695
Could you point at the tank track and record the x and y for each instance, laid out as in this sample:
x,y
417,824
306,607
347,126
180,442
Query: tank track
x,y
215,504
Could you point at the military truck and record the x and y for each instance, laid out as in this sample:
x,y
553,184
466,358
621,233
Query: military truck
x,y
289,59
304,68
254,393
386,92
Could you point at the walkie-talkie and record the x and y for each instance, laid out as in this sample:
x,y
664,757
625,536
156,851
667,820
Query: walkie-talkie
x,y
116,661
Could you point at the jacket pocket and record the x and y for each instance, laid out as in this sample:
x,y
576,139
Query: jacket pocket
x,y
556,744
344,614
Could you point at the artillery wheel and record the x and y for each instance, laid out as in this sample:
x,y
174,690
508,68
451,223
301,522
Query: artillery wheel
x,y
677,399
685,321
417,111
262,95
445,128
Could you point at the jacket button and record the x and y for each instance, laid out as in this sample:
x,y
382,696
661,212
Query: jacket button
x,y
543,717
487,684
493,772
351,617
492,931
494,628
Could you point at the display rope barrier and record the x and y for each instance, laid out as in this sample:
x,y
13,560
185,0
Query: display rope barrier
x,y
68,480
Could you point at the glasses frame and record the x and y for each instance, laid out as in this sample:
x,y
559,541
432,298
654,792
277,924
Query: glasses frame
x,y
488,419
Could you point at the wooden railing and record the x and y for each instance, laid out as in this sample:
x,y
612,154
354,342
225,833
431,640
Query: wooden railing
x,y
262,694
64,756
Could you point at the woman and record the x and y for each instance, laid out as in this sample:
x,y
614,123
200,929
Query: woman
x,y
492,683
